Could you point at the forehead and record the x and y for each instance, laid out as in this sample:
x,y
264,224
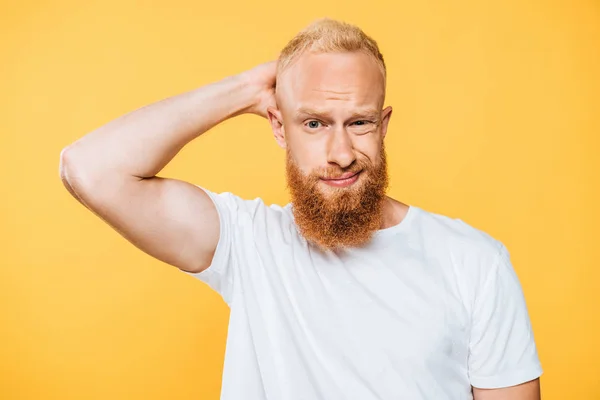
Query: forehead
x,y
332,80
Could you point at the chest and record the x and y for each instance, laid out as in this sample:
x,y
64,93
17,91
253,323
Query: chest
x,y
393,309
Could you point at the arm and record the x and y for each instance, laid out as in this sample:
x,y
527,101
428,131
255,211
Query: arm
x,y
112,170
525,391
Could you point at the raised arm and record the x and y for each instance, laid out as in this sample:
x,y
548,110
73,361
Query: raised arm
x,y
112,170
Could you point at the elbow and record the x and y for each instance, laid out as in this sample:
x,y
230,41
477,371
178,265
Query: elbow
x,y
65,169
72,172
84,179
62,164
63,161
65,165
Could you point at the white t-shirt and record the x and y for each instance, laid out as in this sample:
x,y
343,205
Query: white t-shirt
x,y
428,308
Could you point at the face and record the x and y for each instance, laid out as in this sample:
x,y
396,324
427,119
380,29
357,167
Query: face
x,y
331,123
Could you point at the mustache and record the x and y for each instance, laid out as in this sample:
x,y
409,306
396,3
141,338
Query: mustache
x,y
334,172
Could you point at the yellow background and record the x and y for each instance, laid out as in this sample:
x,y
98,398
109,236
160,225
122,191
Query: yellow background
x,y
496,121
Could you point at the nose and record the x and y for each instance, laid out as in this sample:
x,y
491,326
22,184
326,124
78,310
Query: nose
x,y
340,148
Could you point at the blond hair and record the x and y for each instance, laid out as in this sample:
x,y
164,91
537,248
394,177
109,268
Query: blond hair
x,y
327,35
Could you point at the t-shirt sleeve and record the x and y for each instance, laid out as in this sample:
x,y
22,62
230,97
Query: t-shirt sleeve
x,y
221,274
502,350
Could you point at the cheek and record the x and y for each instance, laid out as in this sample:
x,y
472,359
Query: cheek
x,y
301,161
308,164
308,155
369,147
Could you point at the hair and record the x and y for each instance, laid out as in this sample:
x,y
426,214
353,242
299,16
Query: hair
x,y
327,35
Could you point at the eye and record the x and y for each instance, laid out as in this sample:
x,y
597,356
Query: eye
x,y
313,124
361,122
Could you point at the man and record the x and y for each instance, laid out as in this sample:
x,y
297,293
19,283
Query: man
x,y
345,293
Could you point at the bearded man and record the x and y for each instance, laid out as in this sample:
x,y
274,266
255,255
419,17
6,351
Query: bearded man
x,y
344,293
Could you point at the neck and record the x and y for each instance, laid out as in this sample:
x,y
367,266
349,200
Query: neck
x,y
393,212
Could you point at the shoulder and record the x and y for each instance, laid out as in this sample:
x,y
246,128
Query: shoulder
x,y
456,236
470,255
465,251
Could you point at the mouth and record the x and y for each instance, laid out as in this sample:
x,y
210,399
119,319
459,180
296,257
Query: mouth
x,y
344,180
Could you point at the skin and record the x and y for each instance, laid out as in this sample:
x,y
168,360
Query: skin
x,y
112,170
525,391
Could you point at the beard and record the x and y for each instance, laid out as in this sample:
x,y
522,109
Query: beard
x,y
338,217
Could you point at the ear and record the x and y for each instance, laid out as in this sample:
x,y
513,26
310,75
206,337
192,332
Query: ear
x,y
276,121
386,114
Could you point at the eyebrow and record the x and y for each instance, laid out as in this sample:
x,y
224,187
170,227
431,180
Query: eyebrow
x,y
307,112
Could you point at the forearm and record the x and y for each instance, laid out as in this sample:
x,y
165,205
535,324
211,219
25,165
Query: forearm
x,y
142,142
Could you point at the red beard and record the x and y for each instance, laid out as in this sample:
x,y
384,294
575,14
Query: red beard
x,y
342,217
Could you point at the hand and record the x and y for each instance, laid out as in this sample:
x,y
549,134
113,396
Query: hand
x,y
262,77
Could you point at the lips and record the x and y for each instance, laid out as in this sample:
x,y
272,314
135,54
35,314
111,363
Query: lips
x,y
345,175
343,180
